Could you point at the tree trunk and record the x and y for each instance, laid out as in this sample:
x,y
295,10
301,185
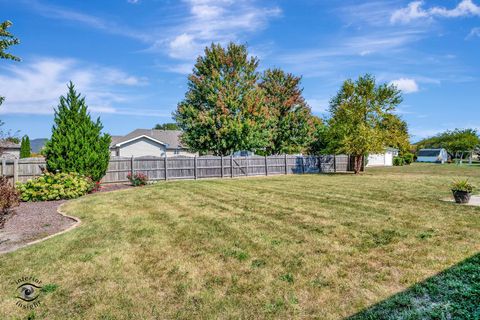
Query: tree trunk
x,y
358,163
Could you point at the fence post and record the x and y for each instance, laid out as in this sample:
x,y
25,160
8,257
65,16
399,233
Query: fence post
x,y
246,165
335,163
231,166
132,170
195,167
165,166
15,171
286,165
266,166
221,160
303,164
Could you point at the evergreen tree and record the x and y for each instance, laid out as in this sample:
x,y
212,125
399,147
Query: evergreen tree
x,y
223,110
77,143
291,121
25,149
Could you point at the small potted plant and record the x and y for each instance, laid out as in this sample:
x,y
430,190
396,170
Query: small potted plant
x,y
462,190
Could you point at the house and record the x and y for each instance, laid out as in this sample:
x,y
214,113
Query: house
x,y
9,150
384,159
149,142
439,155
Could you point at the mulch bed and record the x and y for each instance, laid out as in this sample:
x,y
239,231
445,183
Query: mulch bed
x,y
31,221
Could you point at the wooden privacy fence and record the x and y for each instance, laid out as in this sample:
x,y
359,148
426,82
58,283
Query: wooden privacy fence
x,y
180,167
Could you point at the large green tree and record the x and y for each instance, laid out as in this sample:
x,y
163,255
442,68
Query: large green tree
x,y
77,143
455,141
223,110
357,113
25,148
291,122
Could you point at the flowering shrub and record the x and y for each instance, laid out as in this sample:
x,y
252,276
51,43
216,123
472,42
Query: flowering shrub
x,y
138,179
50,186
8,199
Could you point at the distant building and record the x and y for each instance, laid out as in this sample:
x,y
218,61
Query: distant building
x,y
432,155
149,142
9,150
384,159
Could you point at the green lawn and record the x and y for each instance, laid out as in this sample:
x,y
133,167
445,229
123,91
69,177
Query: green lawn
x,y
312,246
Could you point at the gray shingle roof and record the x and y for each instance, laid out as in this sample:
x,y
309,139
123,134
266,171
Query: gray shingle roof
x,y
169,137
9,144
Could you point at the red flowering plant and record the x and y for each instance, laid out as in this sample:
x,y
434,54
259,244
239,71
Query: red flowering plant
x,y
137,179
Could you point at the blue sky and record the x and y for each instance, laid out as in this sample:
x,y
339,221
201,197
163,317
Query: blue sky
x,y
131,58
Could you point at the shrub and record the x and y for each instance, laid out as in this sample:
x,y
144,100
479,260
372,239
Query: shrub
x,y
408,158
398,161
8,199
138,179
57,186
462,185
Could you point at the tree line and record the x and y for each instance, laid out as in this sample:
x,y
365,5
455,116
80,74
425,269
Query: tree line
x,y
231,106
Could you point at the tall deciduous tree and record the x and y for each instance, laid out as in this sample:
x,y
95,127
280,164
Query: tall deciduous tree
x,y
223,110
357,112
291,122
25,149
77,143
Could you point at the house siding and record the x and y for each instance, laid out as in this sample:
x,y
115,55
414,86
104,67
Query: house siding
x,y
10,153
141,147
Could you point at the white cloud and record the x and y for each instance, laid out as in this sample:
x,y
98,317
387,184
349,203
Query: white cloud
x,y
415,11
208,21
411,12
406,85
34,88
475,32
464,8
92,21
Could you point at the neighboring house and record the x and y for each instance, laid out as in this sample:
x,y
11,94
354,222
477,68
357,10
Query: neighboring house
x,y
382,159
432,155
149,142
9,150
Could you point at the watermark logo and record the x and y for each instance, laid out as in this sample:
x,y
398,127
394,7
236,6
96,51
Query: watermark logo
x,y
28,291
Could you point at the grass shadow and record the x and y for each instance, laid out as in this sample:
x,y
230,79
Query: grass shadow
x,y
452,294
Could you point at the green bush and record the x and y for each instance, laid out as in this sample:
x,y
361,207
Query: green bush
x,y
57,186
398,161
408,158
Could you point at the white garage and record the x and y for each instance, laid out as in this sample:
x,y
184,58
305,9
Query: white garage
x,y
382,159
